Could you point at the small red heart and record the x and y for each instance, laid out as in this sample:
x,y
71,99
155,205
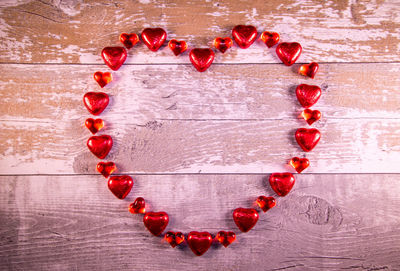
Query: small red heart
x,y
177,47
266,203
270,38
309,70
199,242
201,58
154,38
311,116
120,186
95,102
244,35
282,183
223,44
114,57
100,145
299,164
307,138
308,95
129,40
288,52
138,206
174,238
156,222
102,78
106,168
226,237
245,218
94,125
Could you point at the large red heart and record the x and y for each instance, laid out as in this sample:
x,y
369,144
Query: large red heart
x,y
311,116
106,168
102,78
307,138
226,237
244,35
174,238
95,102
138,206
154,38
129,40
94,125
270,38
120,186
201,58
266,203
156,222
199,242
299,164
308,95
114,57
177,47
245,218
223,44
100,145
309,70
282,183
288,52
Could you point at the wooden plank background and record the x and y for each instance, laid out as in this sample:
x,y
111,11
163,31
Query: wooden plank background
x,y
202,146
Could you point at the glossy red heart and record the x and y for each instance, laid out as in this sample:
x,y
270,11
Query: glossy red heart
x,y
308,95
245,218
156,222
299,164
100,145
282,183
307,138
223,44
266,203
120,186
226,237
270,38
174,238
114,57
288,52
199,242
244,35
201,58
311,116
102,78
106,168
95,102
138,206
309,70
154,38
177,47
129,40
94,125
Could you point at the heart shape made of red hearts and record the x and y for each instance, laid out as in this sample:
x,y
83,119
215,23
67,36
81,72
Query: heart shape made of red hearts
x,y
245,218
307,138
114,57
199,242
281,183
156,222
95,102
226,237
201,58
244,35
100,146
308,95
106,168
154,38
174,238
288,52
120,186
177,47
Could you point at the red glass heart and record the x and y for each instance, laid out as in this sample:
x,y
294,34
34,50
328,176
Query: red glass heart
x,y
270,38
114,57
106,168
154,38
94,125
308,95
201,58
226,237
120,186
138,206
309,70
299,164
288,52
100,145
282,183
311,116
177,47
156,222
174,238
223,44
199,242
129,40
95,102
245,218
244,35
307,138
102,78
266,203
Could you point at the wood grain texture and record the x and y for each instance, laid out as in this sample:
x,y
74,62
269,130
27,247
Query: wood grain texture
x,y
75,31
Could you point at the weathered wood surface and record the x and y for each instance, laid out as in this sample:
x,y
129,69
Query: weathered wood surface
x,y
328,222
75,31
